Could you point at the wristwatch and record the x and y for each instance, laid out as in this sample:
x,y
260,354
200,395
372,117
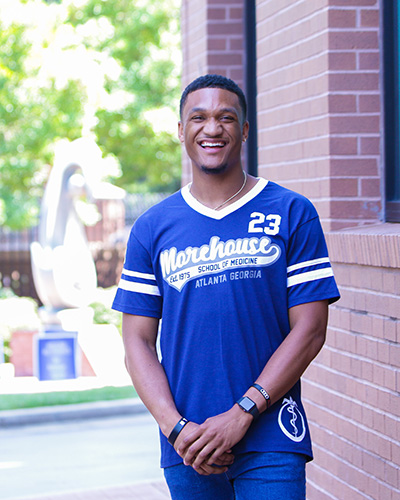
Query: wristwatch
x,y
249,406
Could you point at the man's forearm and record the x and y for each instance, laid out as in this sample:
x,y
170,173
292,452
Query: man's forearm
x,y
146,371
295,354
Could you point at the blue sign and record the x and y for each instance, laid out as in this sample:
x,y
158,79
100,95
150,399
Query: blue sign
x,y
56,355
2,357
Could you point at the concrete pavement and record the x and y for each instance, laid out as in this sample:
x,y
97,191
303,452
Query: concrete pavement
x,y
20,421
155,490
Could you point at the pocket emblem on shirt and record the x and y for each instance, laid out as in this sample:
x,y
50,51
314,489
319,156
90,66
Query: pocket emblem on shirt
x,y
291,420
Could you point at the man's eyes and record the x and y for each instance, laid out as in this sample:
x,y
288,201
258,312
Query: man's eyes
x,y
225,118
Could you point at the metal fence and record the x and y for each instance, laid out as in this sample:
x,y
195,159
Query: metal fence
x,y
15,261
107,241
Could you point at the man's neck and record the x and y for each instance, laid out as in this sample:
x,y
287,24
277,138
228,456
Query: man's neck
x,y
219,190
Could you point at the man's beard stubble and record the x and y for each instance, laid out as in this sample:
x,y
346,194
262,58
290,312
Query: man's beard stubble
x,y
215,170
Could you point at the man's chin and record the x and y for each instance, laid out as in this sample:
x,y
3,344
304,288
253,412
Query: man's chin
x,y
214,170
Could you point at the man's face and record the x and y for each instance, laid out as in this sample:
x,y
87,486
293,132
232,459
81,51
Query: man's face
x,y
212,129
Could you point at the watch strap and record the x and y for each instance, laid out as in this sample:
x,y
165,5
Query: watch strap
x,y
176,430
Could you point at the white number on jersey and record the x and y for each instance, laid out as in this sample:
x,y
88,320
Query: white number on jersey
x,y
264,224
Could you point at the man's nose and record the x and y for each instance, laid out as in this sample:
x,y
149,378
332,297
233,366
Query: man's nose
x,y
212,127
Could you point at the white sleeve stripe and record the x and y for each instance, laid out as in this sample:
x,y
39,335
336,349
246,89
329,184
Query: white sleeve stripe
x,y
308,263
318,274
136,274
131,286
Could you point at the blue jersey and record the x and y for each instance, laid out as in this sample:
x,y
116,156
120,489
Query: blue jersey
x,y
222,282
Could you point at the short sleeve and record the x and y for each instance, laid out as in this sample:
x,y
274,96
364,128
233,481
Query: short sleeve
x,y
138,292
309,273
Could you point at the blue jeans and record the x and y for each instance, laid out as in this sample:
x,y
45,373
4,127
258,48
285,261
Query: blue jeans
x,y
261,476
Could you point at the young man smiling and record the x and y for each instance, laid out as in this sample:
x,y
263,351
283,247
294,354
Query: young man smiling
x,y
238,270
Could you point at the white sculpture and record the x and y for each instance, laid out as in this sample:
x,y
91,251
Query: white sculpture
x,y
63,268
64,271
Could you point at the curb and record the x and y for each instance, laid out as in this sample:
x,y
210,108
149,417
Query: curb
x,y
59,413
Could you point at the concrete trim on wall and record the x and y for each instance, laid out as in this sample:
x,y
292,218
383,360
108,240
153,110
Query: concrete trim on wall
x,y
375,245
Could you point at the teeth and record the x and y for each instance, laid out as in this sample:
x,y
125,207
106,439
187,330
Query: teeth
x,y
212,144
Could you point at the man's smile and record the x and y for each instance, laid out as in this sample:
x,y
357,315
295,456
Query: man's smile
x,y
209,144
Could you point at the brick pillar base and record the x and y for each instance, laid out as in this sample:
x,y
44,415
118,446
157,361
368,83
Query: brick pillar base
x,y
21,345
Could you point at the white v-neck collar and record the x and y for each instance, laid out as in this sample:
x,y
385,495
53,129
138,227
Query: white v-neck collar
x,y
220,214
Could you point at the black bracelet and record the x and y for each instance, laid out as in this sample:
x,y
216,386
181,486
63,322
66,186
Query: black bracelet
x,y
264,393
176,430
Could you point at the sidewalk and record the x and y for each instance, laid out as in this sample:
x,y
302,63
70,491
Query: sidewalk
x,y
152,490
156,490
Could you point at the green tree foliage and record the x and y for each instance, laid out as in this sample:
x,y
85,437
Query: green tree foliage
x,y
149,160
137,38
31,119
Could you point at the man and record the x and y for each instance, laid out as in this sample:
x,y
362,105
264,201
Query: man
x,y
238,270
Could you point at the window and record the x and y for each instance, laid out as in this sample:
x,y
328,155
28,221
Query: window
x,y
391,68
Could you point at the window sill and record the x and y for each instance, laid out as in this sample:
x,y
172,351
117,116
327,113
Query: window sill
x,y
377,245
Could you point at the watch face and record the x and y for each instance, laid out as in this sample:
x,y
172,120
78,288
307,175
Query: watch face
x,y
247,403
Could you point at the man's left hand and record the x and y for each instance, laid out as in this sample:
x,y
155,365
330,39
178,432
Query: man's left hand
x,y
215,437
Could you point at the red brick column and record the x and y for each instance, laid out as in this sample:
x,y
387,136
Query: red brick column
x,y
354,109
293,99
319,104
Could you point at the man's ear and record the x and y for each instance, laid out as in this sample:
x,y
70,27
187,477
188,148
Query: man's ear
x,y
245,131
180,132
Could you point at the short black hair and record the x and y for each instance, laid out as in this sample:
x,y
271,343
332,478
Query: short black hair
x,y
216,82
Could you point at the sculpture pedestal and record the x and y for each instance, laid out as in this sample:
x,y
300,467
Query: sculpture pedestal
x,y
103,347
22,355
56,355
72,348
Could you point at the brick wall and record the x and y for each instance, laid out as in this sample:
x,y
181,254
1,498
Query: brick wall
x,y
212,32
293,100
354,109
352,389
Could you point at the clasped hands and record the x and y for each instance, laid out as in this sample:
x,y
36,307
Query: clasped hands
x,y
208,447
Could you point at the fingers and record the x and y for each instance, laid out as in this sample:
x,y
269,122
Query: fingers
x,y
224,461
226,458
207,470
197,455
198,450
